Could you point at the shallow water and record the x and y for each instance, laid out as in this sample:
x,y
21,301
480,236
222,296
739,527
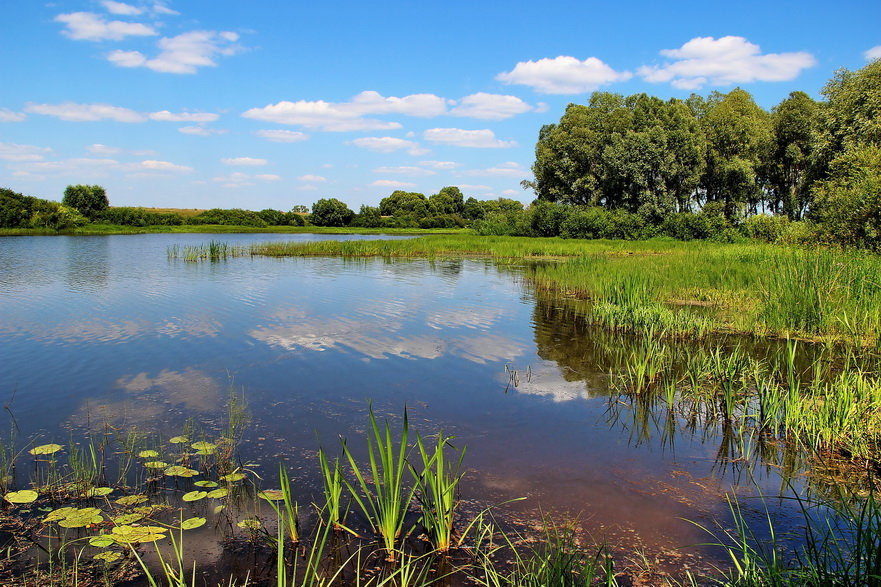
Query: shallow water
x,y
107,329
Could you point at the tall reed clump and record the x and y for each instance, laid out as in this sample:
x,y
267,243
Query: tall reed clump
x,y
437,485
381,494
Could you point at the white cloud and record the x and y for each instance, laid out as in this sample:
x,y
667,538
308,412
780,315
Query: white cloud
x,y
490,106
166,116
14,152
391,183
312,178
388,145
238,179
7,115
445,165
202,131
267,177
509,169
873,53
74,112
482,139
282,136
511,193
99,149
154,166
88,26
185,53
161,8
307,188
563,75
349,116
405,170
724,61
481,188
246,161
121,8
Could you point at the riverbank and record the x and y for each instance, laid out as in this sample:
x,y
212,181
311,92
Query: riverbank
x,y
110,229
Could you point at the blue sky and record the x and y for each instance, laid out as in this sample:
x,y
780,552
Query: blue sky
x,y
268,104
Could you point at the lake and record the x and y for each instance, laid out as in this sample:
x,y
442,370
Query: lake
x,y
107,330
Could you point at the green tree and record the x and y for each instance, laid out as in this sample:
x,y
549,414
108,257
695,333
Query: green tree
x,y
793,122
300,209
848,203
89,200
449,200
331,212
401,204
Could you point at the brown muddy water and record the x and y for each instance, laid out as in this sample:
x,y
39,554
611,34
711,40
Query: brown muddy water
x,y
107,330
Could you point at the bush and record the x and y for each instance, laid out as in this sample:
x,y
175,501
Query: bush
x,y
546,218
442,221
20,211
138,217
331,212
90,200
765,227
230,217
688,226
627,225
590,223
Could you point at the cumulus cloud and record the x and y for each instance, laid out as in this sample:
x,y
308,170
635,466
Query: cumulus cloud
x,y
166,116
74,112
121,8
202,131
153,166
238,179
479,188
93,166
267,177
724,61
99,149
457,137
183,54
405,170
246,161
443,165
509,169
391,183
312,178
490,106
873,53
15,152
563,75
282,136
7,115
388,145
88,26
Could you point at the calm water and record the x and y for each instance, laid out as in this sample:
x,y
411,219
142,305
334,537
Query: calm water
x,y
107,329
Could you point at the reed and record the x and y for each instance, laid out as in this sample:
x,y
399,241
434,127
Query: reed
x,y
437,485
332,483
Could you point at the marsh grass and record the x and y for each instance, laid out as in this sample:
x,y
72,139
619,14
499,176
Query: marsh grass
x,y
437,485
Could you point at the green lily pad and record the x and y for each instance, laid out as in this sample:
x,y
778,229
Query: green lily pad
x,y
98,491
249,524
179,439
155,464
23,496
192,523
232,477
102,541
218,509
148,454
81,518
138,534
218,493
179,471
131,499
108,557
271,494
127,519
45,449
205,483
204,446
59,514
195,495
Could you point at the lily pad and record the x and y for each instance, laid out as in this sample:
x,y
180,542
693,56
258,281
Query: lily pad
x,y
249,524
102,541
45,449
137,534
179,471
205,483
191,523
232,477
99,491
218,493
59,514
218,509
131,499
81,518
127,519
23,496
204,446
148,454
179,439
195,495
109,556
155,464
271,494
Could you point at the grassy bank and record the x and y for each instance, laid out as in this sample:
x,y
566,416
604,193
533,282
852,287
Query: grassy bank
x,y
678,288
101,229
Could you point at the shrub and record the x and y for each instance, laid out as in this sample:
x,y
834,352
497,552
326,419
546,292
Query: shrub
x,y
138,217
331,212
546,218
442,221
228,217
765,227
688,226
627,225
20,211
593,222
90,200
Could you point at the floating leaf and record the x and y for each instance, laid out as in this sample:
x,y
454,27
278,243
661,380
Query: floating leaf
x,y
205,483
81,518
204,446
148,454
195,495
99,491
271,494
136,534
179,439
131,499
179,471
127,519
102,541
249,524
23,496
218,493
146,510
192,523
59,514
232,477
218,509
108,557
45,449
155,464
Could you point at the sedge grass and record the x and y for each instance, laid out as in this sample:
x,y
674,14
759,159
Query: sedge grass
x,y
438,482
